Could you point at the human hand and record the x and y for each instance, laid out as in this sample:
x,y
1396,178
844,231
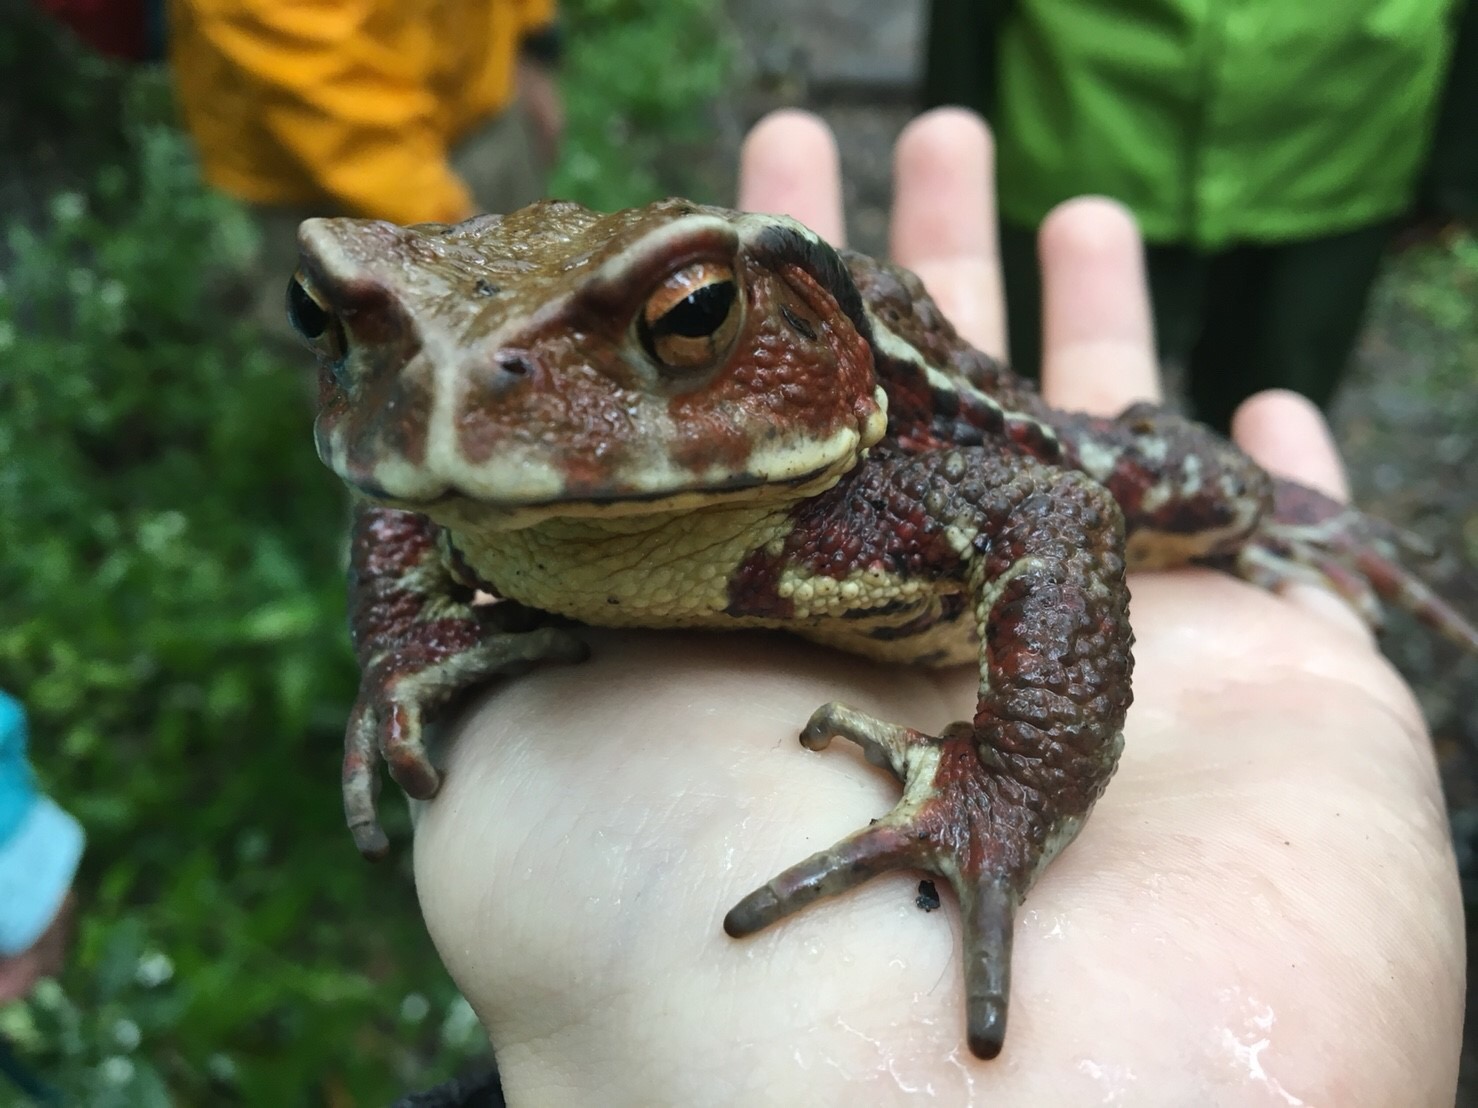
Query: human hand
x,y
1262,909
44,958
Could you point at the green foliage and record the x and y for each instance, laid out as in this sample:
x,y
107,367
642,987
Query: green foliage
x,y
171,568
171,598
1429,298
640,76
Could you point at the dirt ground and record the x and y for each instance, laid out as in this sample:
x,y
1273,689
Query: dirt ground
x,y
1411,445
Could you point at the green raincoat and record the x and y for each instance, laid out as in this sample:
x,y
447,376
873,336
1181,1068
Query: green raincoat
x,y
1216,122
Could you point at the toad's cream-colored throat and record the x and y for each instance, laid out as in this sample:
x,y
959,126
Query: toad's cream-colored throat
x,y
620,571
677,569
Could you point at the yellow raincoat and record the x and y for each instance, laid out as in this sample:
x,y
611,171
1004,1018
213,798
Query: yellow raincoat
x,y
351,105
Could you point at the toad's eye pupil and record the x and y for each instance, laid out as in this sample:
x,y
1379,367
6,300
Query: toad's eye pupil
x,y
700,313
691,319
304,313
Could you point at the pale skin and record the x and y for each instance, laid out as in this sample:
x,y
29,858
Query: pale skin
x,y
1263,909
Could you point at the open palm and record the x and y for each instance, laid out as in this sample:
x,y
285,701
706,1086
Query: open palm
x,y
1263,908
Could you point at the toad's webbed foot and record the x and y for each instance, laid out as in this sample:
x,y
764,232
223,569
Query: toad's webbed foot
x,y
959,819
403,688
1313,538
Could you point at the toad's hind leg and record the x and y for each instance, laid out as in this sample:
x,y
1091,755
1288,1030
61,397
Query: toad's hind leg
x,y
1189,496
923,831
1313,538
987,804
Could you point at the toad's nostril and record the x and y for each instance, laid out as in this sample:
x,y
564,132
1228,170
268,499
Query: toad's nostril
x,y
515,365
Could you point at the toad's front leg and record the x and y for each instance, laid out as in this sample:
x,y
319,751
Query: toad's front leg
x,y
420,642
987,804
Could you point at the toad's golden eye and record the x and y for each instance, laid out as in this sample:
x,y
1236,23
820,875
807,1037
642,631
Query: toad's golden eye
x,y
315,324
690,322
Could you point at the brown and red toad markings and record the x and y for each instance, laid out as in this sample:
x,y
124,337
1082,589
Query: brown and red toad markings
x,y
899,299
1057,658
391,413
1169,475
873,519
541,391
1302,506
978,818
395,573
754,587
788,385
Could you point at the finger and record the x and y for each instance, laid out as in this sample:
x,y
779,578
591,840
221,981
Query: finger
x,y
1287,435
1098,338
789,165
944,220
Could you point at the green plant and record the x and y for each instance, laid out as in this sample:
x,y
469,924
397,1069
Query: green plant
x,y
1427,300
639,80
171,571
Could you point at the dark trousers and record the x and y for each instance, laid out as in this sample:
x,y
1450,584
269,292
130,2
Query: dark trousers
x,y
1240,320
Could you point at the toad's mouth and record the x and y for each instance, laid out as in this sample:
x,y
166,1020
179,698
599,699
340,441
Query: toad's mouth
x,y
536,479
455,502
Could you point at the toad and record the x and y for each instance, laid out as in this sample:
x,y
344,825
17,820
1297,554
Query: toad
x,y
685,416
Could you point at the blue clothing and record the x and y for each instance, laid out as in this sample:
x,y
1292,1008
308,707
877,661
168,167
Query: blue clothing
x,y
40,845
